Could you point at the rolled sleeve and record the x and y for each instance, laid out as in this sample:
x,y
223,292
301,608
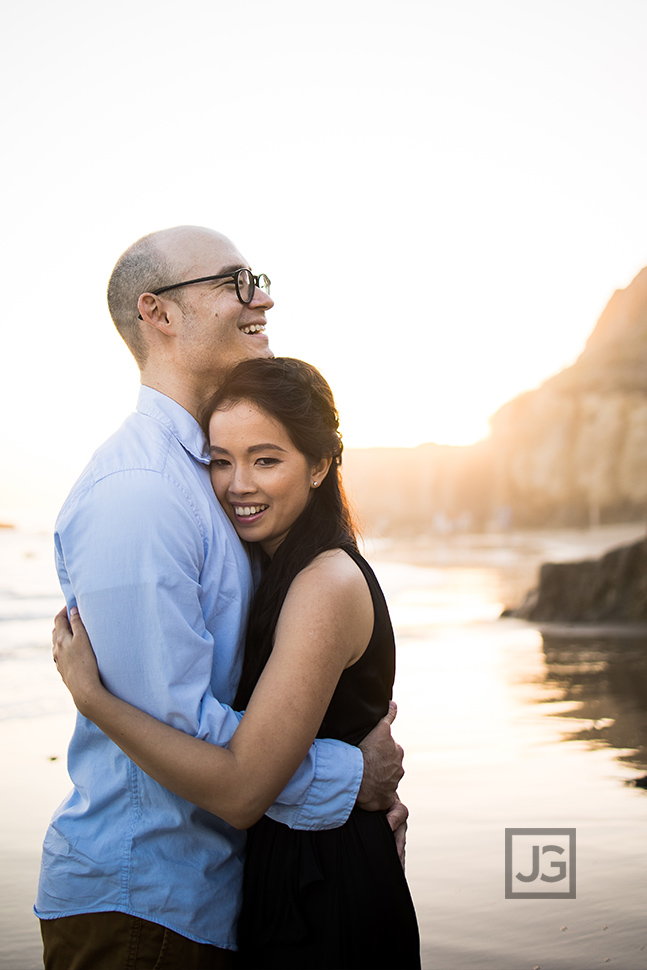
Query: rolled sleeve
x,y
324,790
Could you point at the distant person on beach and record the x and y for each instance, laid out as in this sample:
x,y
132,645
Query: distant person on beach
x,y
320,649
131,870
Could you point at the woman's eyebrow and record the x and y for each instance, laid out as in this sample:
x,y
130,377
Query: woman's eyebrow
x,y
266,446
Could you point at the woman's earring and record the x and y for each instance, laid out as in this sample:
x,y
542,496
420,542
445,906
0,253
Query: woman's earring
x,y
314,484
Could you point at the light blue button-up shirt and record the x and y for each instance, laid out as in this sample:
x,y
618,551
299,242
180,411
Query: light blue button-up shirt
x,y
163,585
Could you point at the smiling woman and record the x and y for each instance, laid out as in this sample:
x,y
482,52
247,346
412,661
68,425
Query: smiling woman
x,y
260,478
286,404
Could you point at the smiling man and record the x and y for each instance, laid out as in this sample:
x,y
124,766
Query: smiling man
x,y
131,871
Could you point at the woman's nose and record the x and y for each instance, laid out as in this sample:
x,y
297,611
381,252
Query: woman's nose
x,y
242,482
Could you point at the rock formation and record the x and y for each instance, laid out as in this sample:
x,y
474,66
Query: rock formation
x,y
571,453
574,451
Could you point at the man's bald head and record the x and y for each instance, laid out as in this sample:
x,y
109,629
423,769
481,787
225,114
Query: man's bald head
x,y
154,261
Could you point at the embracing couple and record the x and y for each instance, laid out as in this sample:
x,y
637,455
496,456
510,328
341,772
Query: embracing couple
x,y
147,864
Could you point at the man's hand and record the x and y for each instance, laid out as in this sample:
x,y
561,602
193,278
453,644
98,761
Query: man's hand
x,y
382,766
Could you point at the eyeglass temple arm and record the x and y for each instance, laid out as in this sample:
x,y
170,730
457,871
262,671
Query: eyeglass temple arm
x,y
176,286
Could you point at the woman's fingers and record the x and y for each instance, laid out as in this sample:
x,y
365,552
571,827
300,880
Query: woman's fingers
x,y
59,621
61,624
62,630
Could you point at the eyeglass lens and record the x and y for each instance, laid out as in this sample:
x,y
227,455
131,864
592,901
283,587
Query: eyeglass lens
x,y
245,285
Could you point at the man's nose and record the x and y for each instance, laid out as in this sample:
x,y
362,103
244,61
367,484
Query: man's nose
x,y
262,299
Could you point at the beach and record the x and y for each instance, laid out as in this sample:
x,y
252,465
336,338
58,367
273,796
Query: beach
x,y
502,727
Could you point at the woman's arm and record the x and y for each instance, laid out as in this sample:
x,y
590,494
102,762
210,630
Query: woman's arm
x,y
324,626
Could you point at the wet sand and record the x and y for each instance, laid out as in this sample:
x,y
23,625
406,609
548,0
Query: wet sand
x,y
33,784
502,728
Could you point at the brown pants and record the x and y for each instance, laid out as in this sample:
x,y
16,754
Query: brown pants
x,y
116,941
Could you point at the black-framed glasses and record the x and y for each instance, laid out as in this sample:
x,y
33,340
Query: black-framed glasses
x,y
244,281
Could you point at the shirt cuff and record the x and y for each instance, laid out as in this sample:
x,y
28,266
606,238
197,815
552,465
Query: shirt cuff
x,y
332,793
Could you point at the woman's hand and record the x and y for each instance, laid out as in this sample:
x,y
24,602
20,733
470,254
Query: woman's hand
x,y
75,660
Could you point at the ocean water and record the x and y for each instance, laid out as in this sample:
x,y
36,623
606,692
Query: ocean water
x,y
503,727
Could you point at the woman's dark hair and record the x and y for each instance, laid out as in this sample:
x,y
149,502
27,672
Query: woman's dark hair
x,y
297,396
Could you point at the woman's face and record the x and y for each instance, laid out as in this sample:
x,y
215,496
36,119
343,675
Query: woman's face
x,y
260,478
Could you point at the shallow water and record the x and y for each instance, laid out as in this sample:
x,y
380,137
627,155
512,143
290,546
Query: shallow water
x,y
502,728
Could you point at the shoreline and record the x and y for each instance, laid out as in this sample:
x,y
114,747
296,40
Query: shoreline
x,y
469,548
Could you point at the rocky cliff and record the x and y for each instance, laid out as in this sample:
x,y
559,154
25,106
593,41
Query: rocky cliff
x,y
574,451
570,453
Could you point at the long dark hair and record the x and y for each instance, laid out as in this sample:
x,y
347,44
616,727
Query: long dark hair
x,y
296,395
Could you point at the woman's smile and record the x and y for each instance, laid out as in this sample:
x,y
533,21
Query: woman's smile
x,y
248,513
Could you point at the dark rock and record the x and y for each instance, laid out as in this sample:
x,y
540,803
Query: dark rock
x,y
610,589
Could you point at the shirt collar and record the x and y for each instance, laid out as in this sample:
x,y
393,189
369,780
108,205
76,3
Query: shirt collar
x,y
176,419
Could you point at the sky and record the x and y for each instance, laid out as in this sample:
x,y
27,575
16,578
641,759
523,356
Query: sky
x,y
445,194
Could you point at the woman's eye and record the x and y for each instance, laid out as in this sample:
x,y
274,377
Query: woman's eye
x,y
265,462
219,463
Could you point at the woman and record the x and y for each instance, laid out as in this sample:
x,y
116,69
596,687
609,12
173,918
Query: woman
x,y
319,655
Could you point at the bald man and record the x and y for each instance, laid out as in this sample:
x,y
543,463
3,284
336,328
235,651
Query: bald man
x,y
132,875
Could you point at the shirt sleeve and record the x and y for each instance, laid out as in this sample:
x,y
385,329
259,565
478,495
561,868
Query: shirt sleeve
x,y
324,790
130,551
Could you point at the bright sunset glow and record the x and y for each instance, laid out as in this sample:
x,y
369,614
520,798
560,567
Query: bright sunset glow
x,y
444,195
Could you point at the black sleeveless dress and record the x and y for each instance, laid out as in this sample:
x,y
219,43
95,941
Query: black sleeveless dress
x,y
335,899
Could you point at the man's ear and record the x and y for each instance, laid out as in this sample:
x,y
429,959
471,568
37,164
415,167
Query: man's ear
x,y
157,312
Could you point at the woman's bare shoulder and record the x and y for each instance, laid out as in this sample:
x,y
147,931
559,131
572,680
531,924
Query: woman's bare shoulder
x,y
333,590
335,569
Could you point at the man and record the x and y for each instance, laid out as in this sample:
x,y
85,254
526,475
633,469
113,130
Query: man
x,y
131,871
